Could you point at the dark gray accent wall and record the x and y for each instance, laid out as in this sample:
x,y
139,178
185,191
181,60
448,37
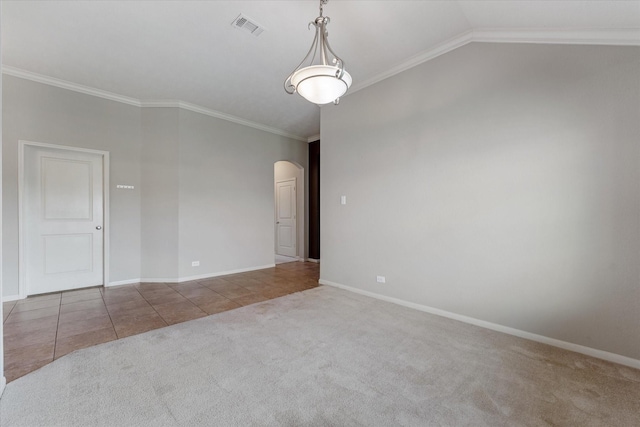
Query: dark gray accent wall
x,y
314,200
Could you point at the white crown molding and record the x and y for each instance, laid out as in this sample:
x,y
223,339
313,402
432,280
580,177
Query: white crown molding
x,y
596,36
418,59
51,81
213,113
612,37
160,103
217,114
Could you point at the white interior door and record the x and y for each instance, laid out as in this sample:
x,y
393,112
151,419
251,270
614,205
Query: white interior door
x,y
286,217
63,219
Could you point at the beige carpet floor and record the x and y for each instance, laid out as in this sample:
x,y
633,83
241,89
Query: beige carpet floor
x,y
324,357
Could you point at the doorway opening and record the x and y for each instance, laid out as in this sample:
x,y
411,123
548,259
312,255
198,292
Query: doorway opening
x,y
289,214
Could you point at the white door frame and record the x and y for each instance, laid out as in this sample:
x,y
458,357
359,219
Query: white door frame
x,y
22,145
302,209
295,203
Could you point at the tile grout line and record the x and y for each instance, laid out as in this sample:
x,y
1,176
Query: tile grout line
x,y
109,314
55,341
247,289
234,299
151,305
223,296
9,314
193,303
218,293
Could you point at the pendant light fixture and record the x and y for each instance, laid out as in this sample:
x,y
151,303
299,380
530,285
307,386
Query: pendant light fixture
x,y
326,80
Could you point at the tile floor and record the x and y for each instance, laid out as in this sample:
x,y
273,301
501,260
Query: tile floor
x,y
42,328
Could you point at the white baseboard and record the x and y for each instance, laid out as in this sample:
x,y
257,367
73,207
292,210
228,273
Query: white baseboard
x,y
166,280
123,282
203,276
600,354
317,261
12,298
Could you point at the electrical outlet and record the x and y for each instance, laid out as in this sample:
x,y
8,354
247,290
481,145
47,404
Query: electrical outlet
x,y
381,279
195,264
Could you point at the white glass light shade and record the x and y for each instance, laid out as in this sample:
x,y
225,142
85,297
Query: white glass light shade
x,y
319,84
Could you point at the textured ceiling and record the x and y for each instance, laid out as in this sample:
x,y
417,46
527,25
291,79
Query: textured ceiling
x,y
189,51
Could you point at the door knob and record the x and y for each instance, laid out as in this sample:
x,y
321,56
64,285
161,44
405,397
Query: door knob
x,y
277,222
98,227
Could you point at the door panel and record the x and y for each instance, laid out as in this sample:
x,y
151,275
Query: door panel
x,y
285,236
67,189
69,253
63,219
286,217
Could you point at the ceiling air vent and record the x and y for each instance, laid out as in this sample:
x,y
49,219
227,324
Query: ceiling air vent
x,y
247,24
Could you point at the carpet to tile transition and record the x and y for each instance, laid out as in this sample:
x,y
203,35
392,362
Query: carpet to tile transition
x,y
324,357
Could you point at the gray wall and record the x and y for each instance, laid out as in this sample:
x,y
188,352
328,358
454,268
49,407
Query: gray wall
x,y
203,186
226,193
500,182
41,113
160,193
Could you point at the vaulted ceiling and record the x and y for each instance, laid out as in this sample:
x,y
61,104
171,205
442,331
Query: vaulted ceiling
x,y
188,51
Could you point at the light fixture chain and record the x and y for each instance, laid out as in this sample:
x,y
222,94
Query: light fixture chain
x,y
322,3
